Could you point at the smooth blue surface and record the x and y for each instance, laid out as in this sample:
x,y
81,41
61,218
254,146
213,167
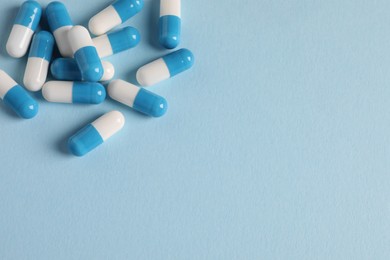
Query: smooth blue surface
x,y
89,63
150,104
128,8
179,61
124,39
42,45
275,146
65,69
84,141
57,16
21,102
88,93
29,14
169,31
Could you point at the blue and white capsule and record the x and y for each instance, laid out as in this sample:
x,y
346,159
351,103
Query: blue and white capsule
x,y
170,23
137,98
60,24
67,69
85,54
117,13
17,97
166,67
74,92
38,61
118,41
25,24
96,133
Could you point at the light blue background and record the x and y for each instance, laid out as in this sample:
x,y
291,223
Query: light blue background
x,y
275,146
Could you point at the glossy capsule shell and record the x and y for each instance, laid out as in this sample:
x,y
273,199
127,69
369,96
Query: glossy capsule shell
x,y
118,41
85,54
67,69
137,98
170,23
117,13
74,92
26,22
166,67
94,134
60,24
16,97
38,61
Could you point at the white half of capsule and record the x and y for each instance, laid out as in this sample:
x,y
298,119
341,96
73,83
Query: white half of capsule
x,y
170,7
62,40
108,124
153,73
104,21
79,38
36,73
19,40
123,92
103,46
58,91
6,83
109,71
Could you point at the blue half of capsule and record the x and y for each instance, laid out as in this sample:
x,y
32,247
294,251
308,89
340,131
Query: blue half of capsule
x,y
124,39
89,63
84,141
65,69
179,61
127,8
57,16
88,93
42,46
21,102
150,104
169,31
29,15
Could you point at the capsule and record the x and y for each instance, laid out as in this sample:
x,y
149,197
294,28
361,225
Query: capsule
x,y
17,97
74,92
60,24
85,54
94,134
67,69
137,98
117,13
38,61
118,41
25,24
165,67
170,23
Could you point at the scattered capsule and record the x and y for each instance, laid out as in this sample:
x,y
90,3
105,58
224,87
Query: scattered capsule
x,y
17,97
138,98
74,92
118,41
38,61
25,24
165,67
117,13
85,54
94,134
67,69
60,24
170,23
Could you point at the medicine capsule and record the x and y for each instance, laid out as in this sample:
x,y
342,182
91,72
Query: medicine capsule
x,y
25,24
117,13
38,61
85,54
94,134
67,69
170,23
165,67
17,97
60,24
138,98
121,40
74,92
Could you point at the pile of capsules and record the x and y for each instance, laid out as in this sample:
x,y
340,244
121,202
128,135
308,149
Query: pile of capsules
x,y
80,68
